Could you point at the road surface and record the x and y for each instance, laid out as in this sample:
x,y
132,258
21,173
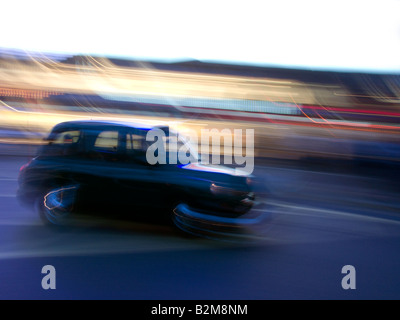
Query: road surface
x,y
319,222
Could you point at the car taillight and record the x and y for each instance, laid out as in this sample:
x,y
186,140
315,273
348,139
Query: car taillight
x,y
24,166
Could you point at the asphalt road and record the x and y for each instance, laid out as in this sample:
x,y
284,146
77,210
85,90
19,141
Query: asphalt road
x,y
318,223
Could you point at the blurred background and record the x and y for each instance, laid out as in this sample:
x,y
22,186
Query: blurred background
x,y
296,114
318,82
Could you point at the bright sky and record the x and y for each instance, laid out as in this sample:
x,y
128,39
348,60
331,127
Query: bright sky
x,y
354,35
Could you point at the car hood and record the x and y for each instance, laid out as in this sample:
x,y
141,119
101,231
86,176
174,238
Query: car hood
x,y
215,169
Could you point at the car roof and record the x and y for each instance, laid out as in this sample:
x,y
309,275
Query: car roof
x,y
101,123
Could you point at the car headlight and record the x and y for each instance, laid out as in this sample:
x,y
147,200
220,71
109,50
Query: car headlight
x,y
226,191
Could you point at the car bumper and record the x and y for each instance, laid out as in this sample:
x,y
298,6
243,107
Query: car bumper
x,y
211,225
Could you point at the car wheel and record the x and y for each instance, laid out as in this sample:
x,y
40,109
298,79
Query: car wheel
x,y
57,205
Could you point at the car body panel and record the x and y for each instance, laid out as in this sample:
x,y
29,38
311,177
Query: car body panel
x,y
119,181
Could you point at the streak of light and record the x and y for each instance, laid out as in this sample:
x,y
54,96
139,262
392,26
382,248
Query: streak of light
x,y
382,97
302,110
324,212
355,111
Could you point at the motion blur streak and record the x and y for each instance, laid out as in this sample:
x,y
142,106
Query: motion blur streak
x,y
37,91
326,170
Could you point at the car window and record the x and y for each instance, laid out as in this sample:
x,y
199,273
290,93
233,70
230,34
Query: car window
x,y
103,145
172,143
177,144
134,142
63,143
107,141
66,137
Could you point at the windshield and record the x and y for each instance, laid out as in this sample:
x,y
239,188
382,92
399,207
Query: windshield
x,y
180,148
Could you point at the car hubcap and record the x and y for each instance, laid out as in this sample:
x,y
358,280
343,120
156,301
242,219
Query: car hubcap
x,y
59,203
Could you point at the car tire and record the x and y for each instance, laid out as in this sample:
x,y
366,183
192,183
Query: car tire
x,y
57,205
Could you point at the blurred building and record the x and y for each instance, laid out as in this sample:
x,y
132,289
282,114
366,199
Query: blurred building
x,y
295,113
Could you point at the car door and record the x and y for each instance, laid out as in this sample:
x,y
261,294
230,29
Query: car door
x,y
140,185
